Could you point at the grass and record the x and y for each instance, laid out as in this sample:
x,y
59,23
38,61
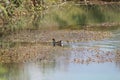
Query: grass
x,y
65,17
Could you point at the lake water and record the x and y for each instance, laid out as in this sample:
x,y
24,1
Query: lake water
x,y
71,71
66,68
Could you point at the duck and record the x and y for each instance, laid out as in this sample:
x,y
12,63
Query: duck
x,y
58,43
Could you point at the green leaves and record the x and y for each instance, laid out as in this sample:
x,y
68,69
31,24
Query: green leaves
x,y
3,9
16,2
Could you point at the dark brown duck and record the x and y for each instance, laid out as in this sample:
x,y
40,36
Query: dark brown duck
x,y
58,43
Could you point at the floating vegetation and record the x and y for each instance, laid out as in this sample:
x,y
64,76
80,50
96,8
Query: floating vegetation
x,y
22,51
65,35
117,56
92,55
33,53
38,52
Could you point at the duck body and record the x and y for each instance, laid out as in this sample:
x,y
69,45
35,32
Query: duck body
x,y
58,43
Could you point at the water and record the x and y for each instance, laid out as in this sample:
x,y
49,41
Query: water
x,y
65,68
32,71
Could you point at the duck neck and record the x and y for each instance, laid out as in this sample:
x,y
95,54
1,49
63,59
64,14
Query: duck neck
x,y
54,42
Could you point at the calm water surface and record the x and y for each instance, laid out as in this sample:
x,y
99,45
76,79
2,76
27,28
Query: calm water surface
x,y
66,69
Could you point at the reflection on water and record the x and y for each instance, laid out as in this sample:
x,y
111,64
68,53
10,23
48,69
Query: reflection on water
x,y
71,71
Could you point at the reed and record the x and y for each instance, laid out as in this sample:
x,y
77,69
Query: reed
x,y
68,16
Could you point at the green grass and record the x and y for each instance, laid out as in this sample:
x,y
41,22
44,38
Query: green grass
x,y
67,16
70,16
